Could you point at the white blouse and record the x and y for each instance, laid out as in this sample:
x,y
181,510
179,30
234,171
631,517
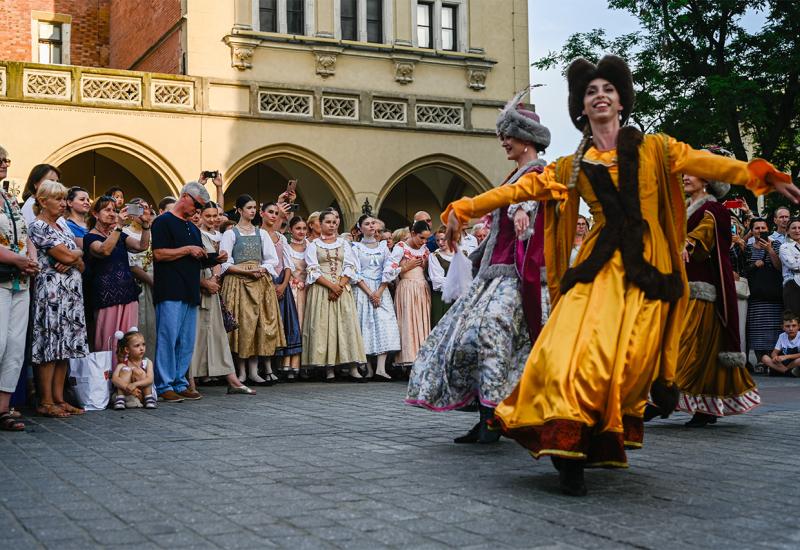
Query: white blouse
x,y
399,251
373,263
313,269
269,256
436,271
790,261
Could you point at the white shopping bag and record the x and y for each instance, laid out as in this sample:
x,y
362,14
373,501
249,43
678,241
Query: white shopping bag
x,y
90,378
458,278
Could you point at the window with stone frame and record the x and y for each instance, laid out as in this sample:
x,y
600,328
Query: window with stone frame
x,y
349,19
295,17
50,42
425,24
268,15
375,21
449,27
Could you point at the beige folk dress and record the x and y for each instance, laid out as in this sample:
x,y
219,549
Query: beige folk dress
x,y
212,352
412,299
298,282
331,334
252,302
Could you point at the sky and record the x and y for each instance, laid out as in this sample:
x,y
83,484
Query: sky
x,y
550,24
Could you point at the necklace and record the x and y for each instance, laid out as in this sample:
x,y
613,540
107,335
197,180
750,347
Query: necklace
x,y
368,240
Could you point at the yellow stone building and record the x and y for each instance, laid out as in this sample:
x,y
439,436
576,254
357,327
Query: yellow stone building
x,y
387,101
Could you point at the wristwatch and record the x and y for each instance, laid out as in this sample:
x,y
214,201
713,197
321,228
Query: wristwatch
x,y
118,229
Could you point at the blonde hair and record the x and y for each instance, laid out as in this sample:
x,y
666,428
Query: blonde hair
x,y
48,189
314,216
401,234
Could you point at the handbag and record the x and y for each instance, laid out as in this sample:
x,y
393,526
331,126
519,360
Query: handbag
x,y
8,271
228,320
90,378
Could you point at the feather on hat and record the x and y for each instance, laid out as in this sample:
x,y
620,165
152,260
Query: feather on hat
x,y
516,121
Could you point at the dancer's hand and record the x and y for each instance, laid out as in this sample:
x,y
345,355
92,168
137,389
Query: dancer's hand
x,y
788,190
453,234
521,221
685,255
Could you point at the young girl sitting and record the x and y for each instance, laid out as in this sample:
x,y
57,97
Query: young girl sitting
x,y
133,376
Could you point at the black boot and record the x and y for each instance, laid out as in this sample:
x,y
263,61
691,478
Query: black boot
x,y
471,436
485,435
701,419
570,476
650,412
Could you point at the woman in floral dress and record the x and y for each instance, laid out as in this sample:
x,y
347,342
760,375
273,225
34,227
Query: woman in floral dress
x,y
59,324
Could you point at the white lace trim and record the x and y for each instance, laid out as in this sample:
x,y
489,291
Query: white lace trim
x,y
339,242
421,251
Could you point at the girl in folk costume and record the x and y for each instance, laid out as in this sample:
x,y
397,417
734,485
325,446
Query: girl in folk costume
x,y
478,349
272,215
711,374
331,335
438,266
212,351
249,293
412,297
374,302
614,330
297,253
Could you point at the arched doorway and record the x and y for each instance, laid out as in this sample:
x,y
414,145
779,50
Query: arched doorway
x,y
428,184
263,175
97,163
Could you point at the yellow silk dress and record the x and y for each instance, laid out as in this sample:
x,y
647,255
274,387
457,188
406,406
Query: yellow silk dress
x,y
585,384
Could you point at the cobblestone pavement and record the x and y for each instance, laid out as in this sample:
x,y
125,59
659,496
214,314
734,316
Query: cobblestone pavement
x,y
349,466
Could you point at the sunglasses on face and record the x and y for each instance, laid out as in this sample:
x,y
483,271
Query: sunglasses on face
x,y
7,162
197,204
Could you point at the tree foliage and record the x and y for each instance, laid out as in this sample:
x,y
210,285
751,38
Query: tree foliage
x,y
703,78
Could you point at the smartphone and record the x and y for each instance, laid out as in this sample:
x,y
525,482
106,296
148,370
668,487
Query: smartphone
x,y
733,230
294,207
135,209
733,204
291,187
210,174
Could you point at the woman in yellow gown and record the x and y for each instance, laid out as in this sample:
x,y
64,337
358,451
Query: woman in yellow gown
x,y
614,329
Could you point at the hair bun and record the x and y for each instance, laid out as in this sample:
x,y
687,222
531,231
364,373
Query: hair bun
x,y
133,329
118,335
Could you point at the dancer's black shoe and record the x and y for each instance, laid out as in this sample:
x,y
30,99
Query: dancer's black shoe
x,y
701,419
570,476
471,436
650,412
485,435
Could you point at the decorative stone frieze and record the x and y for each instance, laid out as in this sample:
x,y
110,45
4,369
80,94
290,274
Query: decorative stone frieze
x,y
389,111
110,89
440,115
47,84
340,107
168,93
282,103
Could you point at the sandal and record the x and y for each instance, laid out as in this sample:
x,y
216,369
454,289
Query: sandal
x,y
66,407
119,402
9,424
240,390
51,410
14,413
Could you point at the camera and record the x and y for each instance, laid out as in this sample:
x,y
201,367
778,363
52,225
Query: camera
x,y
135,209
210,174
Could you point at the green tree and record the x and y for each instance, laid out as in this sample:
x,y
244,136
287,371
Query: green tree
x,y
704,78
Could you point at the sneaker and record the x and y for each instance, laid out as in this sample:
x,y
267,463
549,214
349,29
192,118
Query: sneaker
x,y
119,402
170,396
150,402
190,395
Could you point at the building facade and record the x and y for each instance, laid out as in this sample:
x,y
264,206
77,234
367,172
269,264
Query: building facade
x,y
390,103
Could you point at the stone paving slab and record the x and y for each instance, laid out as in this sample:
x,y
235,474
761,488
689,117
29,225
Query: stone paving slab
x,y
349,466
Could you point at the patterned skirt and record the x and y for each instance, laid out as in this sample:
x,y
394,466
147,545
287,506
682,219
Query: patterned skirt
x,y
291,321
478,349
378,324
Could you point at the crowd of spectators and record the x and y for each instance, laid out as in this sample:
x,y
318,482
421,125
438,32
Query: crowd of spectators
x,y
185,293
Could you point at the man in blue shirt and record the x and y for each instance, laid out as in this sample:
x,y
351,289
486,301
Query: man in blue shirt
x,y
178,257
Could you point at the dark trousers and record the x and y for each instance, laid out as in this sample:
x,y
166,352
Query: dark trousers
x,y
791,297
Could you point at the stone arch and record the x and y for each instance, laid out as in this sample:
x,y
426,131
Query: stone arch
x,y
437,180
281,159
156,175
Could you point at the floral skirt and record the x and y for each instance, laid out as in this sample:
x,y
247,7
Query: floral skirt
x,y
378,324
476,351
59,323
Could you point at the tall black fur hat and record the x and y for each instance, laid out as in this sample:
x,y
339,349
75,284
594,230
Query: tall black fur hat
x,y
614,69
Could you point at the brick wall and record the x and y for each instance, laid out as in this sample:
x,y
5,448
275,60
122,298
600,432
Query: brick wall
x,y
137,27
89,44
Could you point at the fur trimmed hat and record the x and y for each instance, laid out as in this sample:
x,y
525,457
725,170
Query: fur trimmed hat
x,y
612,68
718,188
516,121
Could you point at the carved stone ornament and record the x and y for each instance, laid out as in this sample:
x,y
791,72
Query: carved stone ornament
x,y
326,64
476,77
242,50
404,71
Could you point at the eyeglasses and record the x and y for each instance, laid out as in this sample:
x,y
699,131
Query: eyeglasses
x,y
197,204
7,162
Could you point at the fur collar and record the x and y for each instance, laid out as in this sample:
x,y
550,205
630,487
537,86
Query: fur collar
x,y
691,207
624,227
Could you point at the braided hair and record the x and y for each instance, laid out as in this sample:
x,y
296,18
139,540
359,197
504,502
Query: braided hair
x,y
583,146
